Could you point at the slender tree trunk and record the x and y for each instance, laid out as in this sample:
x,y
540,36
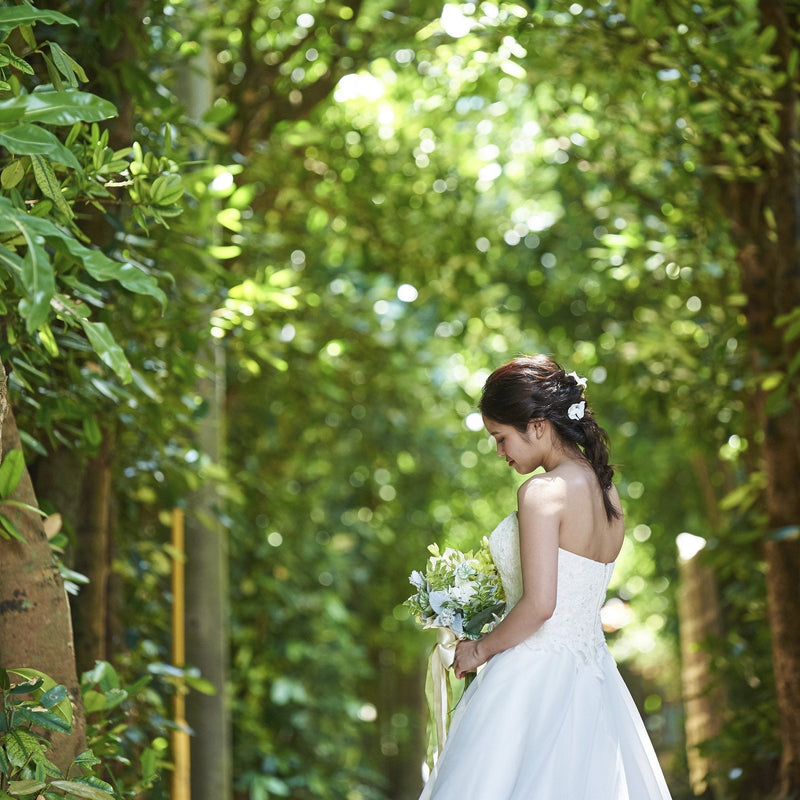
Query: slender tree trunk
x,y
93,559
207,611
782,465
206,541
35,625
700,618
400,693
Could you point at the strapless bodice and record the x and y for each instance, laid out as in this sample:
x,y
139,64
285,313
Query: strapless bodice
x,y
581,592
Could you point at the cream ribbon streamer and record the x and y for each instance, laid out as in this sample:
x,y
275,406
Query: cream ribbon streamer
x,y
441,694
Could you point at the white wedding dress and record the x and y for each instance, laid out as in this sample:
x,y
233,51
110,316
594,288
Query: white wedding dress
x,y
549,719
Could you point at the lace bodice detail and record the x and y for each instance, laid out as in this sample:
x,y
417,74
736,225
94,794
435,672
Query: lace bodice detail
x,y
581,591
504,547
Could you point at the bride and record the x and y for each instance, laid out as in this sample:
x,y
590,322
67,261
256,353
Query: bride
x,y
548,717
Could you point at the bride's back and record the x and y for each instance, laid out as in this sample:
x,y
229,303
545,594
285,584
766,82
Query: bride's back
x,y
585,529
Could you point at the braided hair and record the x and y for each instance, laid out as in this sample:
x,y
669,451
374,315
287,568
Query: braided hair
x,y
536,387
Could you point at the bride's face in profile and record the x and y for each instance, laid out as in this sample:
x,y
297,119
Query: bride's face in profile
x,y
520,450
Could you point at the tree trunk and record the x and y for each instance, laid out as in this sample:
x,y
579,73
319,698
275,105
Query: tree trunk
x,y
401,693
93,559
699,613
783,594
35,625
206,544
207,611
780,459
80,490
781,451
770,273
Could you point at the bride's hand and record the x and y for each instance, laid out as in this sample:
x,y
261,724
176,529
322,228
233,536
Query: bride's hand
x,y
467,659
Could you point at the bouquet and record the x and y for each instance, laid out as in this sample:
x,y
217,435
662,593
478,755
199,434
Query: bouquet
x,y
458,591
460,594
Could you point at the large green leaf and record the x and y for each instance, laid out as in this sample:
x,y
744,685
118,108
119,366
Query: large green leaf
x,y
11,469
96,263
12,174
9,58
79,789
26,139
57,108
107,348
67,65
12,262
49,184
25,15
21,788
21,746
63,707
38,279
103,268
53,697
44,719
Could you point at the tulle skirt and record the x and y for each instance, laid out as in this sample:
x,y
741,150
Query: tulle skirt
x,y
547,725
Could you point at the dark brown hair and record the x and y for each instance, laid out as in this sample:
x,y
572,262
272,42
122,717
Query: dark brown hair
x,y
536,387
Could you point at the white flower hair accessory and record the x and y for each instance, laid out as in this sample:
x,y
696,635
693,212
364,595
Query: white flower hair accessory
x,y
576,410
580,381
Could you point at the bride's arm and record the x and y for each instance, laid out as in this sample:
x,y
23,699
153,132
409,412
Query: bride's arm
x,y
541,502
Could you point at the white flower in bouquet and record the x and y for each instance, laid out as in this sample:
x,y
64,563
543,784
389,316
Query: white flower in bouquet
x,y
417,579
463,593
458,591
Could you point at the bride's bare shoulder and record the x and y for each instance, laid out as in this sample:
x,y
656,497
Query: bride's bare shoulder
x,y
543,491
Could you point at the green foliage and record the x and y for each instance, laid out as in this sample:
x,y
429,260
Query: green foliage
x,y
123,759
121,730
30,711
50,270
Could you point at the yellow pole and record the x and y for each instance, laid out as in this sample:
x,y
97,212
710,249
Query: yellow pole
x,y
181,782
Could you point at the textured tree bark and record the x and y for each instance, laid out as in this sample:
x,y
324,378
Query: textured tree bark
x,y
772,289
783,594
93,559
781,452
699,612
35,625
769,260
